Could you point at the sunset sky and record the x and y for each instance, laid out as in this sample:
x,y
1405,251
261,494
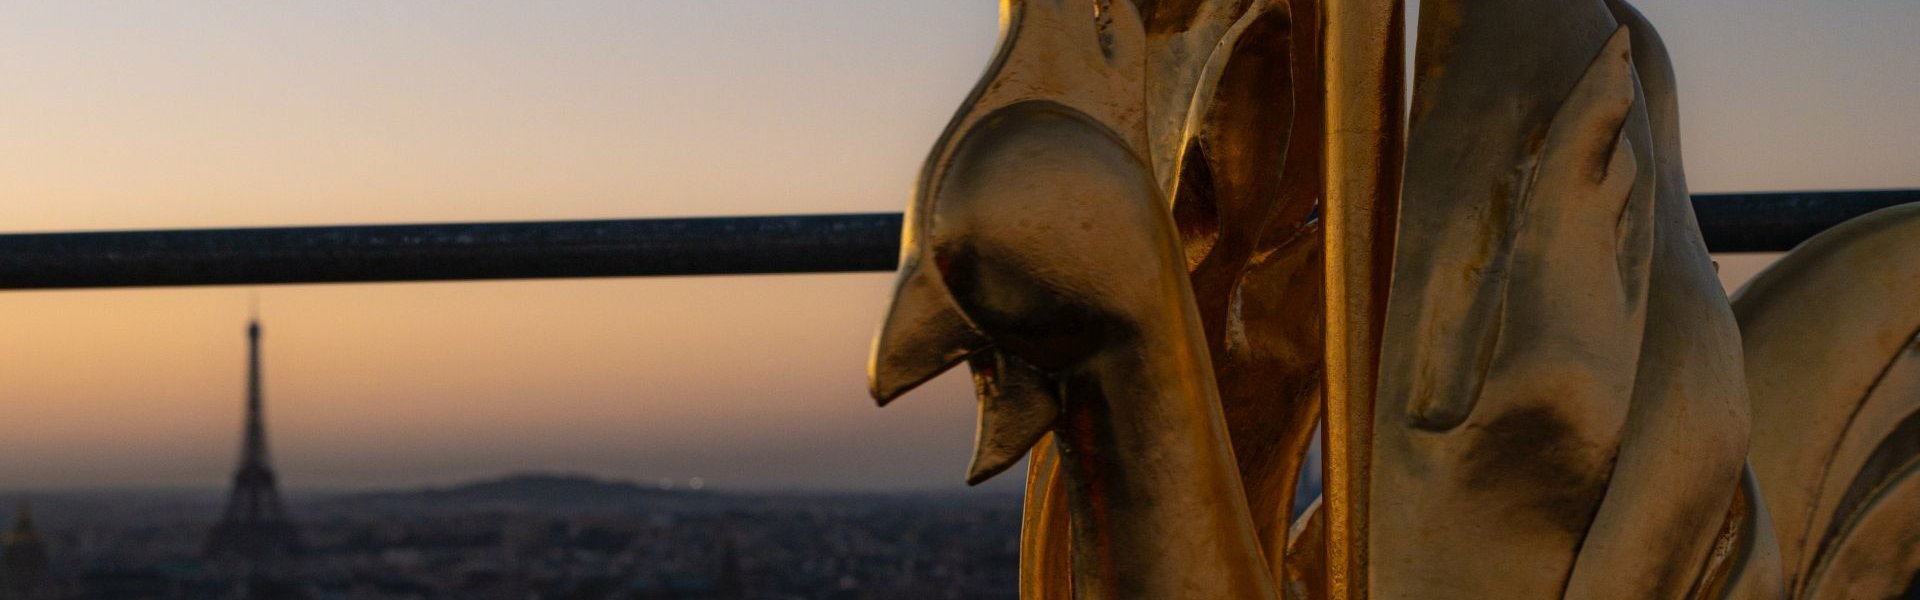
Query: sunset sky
x,y
203,114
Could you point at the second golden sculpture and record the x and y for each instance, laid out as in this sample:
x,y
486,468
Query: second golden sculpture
x,y
1170,240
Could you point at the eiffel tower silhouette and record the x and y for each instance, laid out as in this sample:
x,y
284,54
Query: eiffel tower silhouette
x,y
255,529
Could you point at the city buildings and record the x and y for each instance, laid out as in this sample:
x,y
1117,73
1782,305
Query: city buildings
x,y
528,537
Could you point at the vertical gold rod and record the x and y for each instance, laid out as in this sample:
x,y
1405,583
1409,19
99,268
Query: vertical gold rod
x,y
1364,55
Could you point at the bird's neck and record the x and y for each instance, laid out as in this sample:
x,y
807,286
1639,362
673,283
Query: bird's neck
x,y
1158,509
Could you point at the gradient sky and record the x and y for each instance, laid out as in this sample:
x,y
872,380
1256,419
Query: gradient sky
x,y
200,114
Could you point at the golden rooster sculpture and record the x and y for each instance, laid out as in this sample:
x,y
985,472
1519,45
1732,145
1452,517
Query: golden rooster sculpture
x,y
1171,239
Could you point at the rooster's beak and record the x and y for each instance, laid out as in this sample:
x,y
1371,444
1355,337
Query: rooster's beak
x,y
924,334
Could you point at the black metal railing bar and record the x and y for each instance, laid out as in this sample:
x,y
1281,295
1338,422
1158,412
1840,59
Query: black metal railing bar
x,y
835,243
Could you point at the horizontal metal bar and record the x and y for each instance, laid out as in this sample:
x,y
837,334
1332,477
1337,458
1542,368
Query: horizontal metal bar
x,y
1776,222
444,252
647,247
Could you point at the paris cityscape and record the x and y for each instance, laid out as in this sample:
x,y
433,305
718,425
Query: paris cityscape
x,y
524,536
547,536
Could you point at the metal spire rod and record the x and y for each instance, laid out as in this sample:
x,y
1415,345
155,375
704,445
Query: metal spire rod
x,y
838,243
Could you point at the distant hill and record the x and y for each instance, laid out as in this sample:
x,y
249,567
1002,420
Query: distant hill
x,y
529,491
543,487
